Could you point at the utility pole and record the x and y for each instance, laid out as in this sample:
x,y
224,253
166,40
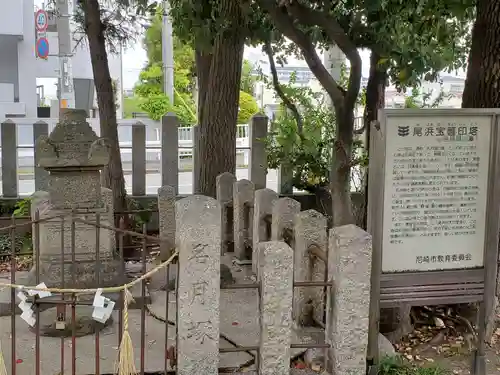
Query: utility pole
x,y
66,90
167,49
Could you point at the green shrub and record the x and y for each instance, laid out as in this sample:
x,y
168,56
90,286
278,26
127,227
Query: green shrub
x,y
398,366
248,108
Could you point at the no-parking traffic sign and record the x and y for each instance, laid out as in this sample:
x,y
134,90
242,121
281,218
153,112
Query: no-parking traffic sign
x,y
42,48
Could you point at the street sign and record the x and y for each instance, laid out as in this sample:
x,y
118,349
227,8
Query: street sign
x,y
41,21
42,48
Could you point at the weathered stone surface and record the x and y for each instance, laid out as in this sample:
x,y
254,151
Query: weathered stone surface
x,y
56,234
262,215
72,143
349,264
199,239
226,278
283,216
243,200
276,276
40,205
74,156
108,201
74,190
310,229
224,187
385,348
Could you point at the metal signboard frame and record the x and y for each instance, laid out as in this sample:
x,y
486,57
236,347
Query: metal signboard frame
x,y
436,287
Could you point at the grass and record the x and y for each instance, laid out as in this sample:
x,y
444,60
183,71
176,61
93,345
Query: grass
x,y
397,366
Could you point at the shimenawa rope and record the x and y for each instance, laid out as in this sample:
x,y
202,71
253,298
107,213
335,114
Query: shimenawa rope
x,y
126,363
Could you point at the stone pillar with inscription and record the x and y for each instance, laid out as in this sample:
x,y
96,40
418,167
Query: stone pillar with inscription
x,y
198,237
349,265
243,199
310,229
262,220
283,215
74,155
224,187
275,271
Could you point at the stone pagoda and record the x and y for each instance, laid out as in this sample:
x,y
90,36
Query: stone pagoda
x,y
74,156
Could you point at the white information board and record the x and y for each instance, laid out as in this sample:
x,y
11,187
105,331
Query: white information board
x,y
435,192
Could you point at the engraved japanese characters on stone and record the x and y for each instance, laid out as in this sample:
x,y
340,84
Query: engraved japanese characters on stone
x,y
198,237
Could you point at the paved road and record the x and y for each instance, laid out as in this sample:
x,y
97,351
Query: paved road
x,y
153,182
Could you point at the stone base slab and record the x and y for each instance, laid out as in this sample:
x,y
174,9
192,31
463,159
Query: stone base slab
x,y
81,274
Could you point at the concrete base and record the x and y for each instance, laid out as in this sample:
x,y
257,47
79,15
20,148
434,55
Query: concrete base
x,y
84,271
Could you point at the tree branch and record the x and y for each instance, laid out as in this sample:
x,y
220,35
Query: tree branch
x,y
312,17
283,21
277,87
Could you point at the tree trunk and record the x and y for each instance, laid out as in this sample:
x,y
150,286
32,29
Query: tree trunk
x,y
203,63
375,100
219,99
482,85
113,173
482,88
340,174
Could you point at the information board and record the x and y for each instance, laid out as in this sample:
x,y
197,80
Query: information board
x,y
435,192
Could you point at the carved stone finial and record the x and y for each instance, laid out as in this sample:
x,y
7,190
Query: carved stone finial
x,y
72,144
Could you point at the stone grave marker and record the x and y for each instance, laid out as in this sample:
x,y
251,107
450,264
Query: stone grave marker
x,y
276,277
262,220
349,264
310,230
243,201
224,186
199,239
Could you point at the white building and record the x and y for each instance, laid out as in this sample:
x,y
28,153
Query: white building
x,y
20,68
450,86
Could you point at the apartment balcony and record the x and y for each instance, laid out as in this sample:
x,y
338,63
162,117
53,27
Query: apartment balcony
x,y
12,18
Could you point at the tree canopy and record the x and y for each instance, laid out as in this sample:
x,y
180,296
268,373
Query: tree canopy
x,y
149,89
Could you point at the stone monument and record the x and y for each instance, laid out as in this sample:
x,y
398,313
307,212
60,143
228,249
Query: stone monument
x,y
74,155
